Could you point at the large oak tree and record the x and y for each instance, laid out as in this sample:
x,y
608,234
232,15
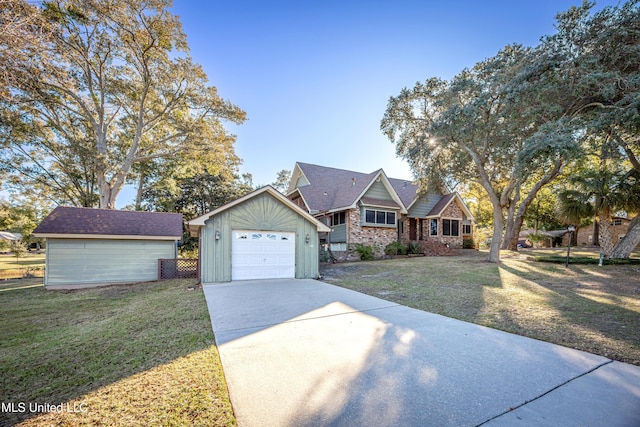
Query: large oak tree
x,y
477,128
111,86
514,121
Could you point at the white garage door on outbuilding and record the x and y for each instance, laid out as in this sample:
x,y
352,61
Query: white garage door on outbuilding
x,y
262,255
262,235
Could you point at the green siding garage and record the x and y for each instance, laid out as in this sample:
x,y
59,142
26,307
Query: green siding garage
x,y
94,262
94,247
262,235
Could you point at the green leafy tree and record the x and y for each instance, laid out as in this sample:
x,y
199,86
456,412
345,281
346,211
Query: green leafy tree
x,y
113,87
21,27
474,197
476,128
282,181
20,218
602,186
194,196
543,212
19,249
600,67
513,122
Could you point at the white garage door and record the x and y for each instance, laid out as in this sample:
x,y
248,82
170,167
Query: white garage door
x,y
262,255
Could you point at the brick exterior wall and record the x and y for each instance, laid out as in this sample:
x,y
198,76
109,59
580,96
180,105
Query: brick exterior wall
x,y
379,237
376,237
583,233
452,211
439,244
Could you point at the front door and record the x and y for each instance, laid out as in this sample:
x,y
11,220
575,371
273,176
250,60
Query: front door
x,y
412,228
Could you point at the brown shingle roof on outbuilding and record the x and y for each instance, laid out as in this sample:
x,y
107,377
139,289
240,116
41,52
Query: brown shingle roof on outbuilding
x,y
72,221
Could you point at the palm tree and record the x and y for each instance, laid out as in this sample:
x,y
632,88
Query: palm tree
x,y
598,193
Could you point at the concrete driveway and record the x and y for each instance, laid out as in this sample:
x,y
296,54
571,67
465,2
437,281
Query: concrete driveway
x,y
306,353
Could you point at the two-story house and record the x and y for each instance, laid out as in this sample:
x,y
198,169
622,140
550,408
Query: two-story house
x,y
373,209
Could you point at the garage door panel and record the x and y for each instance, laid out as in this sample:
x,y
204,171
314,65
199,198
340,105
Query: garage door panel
x,y
262,255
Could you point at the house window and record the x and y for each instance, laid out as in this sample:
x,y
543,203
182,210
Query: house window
x,y
338,247
617,222
433,227
370,216
338,218
450,227
391,218
379,217
466,229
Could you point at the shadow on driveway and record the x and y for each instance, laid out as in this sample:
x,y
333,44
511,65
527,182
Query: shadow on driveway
x,y
305,353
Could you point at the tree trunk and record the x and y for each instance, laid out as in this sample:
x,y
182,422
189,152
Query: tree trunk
x,y
140,188
511,218
508,232
108,194
606,240
496,239
596,232
516,226
516,217
629,242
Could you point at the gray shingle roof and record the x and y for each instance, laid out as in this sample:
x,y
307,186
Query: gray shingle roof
x,y
406,190
442,203
88,221
333,188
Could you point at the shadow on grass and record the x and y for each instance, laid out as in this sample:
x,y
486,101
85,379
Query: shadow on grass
x,y
585,307
594,313
452,286
59,346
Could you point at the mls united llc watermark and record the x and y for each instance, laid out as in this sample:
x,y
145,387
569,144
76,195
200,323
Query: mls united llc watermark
x,y
33,407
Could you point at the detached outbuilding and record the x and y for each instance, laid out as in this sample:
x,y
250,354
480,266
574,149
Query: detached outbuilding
x,y
262,235
92,247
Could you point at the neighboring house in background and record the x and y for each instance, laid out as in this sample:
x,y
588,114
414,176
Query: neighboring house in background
x,y
92,247
588,236
376,210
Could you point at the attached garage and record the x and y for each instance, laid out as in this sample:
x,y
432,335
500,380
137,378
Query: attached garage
x,y
262,235
93,247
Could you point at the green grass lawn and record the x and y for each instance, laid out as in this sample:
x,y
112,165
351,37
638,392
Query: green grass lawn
x,y
590,308
577,255
140,354
32,264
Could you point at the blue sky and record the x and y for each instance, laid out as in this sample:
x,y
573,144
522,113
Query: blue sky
x,y
315,77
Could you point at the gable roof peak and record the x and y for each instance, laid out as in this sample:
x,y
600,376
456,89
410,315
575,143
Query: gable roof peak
x,y
333,189
200,221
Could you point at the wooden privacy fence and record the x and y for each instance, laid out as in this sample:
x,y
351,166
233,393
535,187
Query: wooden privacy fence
x,y
178,268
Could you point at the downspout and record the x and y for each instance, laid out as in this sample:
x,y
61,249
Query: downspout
x,y
199,276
